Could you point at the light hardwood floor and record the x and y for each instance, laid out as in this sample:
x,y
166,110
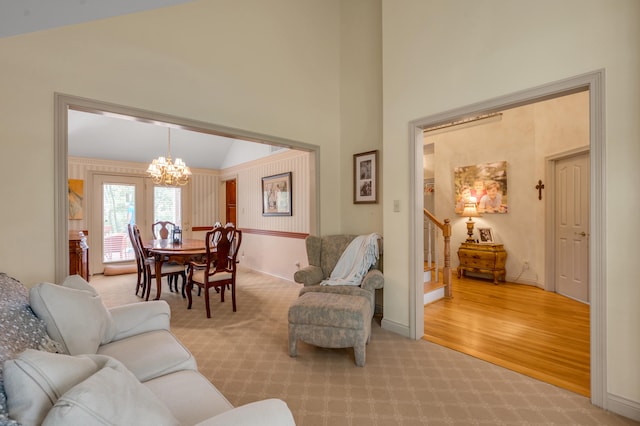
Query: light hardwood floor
x,y
523,328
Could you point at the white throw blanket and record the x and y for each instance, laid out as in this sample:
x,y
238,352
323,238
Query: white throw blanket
x,y
356,260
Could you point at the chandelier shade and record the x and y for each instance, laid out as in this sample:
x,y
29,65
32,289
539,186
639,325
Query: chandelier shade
x,y
163,171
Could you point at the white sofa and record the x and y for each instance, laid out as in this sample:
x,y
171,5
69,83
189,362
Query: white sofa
x,y
117,366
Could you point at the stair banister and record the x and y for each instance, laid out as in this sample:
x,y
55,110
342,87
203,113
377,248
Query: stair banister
x,y
445,227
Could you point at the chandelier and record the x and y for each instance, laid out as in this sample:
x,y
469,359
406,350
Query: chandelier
x,y
164,172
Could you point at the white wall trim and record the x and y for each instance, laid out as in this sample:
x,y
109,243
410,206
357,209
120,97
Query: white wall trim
x,y
623,406
594,82
395,327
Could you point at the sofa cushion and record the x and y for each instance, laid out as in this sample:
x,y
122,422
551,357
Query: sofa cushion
x,y
111,396
189,396
76,318
150,354
341,311
20,329
268,412
35,380
342,289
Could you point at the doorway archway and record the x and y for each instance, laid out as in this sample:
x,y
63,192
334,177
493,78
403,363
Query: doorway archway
x,y
63,103
594,83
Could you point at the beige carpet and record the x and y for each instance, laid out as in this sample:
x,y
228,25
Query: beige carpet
x,y
404,382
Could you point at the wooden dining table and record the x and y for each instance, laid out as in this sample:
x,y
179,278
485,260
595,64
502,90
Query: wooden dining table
x,y
168,251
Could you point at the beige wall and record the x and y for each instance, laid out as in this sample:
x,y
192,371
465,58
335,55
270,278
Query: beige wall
x,y
361,107
445,54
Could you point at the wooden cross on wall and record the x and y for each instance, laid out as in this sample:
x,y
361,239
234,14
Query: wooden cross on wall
x,y
540,187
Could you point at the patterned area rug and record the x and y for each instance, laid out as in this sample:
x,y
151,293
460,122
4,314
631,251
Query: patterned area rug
x,y
404,382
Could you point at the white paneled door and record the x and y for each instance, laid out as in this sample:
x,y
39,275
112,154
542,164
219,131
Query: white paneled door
x,y
572,227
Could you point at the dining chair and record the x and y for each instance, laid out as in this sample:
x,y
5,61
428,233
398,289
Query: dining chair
x,y
162,230
174,270
139,260
219,268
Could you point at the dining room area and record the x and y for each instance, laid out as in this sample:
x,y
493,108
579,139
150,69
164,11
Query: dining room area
x,y
112,153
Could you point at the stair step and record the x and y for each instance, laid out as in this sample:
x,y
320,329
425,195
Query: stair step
x,y
432,286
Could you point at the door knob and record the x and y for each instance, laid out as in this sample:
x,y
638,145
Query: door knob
x,y
582,234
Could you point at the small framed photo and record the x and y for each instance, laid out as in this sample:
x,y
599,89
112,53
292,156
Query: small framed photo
x,y
276,195
486,236
365,177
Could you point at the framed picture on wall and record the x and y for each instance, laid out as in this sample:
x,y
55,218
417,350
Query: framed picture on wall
x,y
485,184
486,235
277,195
76,195
365,177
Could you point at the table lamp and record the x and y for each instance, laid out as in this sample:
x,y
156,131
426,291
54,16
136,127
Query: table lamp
x,y
470,211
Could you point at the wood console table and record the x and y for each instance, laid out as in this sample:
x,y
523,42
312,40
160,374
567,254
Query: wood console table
x,y
78,254
484,259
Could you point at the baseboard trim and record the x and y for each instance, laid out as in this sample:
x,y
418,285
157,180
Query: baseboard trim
x,y
623,406
395,327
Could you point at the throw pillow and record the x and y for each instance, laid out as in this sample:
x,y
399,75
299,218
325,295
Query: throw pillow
x,y
35,380
111,396
79,283
19,329
76,318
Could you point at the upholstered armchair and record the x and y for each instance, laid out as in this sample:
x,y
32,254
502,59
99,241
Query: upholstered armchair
x,y
338,315
323,254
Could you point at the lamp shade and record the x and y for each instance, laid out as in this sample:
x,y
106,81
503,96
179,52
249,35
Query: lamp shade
x,y
470,209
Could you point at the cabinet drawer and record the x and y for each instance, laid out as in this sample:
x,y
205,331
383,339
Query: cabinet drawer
x,y
477,263
479,255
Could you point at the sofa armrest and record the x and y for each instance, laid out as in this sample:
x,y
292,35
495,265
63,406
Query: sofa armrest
x,y
309,275
373,280
140,317
268,412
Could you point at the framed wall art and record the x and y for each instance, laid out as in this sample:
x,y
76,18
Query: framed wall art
x,y
365,177
486,183
276,195
76,195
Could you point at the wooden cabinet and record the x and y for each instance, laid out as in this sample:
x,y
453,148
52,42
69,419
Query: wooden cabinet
x,y
483,259
78,254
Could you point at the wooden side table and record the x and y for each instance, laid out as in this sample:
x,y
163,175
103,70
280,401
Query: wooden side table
x,y
78,254
484,259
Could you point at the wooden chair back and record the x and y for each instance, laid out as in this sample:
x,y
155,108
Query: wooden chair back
x,y
222,246
162,229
